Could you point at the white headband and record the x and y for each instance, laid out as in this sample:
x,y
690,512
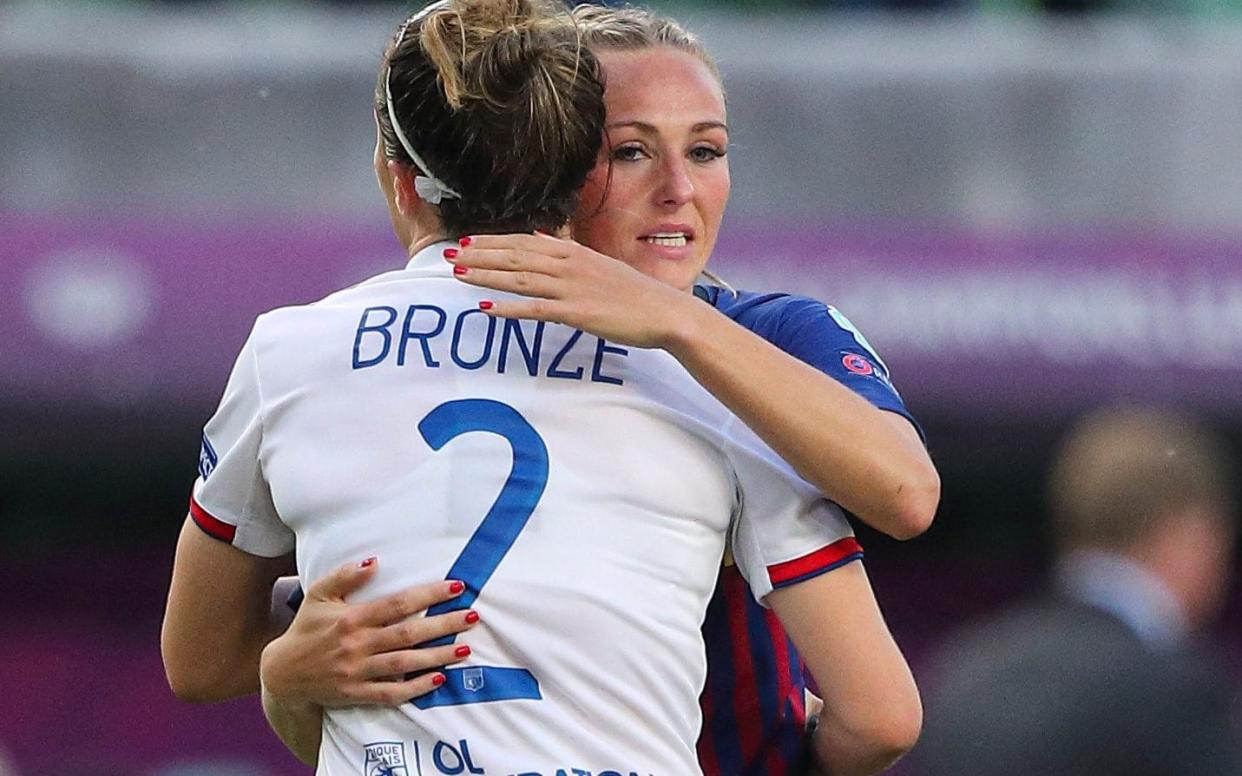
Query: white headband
x,y
428,187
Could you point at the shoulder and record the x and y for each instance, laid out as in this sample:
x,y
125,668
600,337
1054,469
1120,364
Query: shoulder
x,y
752,306
1044,630
289,324
787,320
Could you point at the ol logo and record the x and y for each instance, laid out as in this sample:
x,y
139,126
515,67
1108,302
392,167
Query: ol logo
x,y
384,758
472,679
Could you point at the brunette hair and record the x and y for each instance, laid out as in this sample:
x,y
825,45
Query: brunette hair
x,y
503,101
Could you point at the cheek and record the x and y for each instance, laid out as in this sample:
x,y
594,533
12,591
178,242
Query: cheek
x,y
718,193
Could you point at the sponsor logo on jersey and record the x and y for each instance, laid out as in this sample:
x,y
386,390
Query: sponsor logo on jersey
x,y
207,459
472,679
384,758
857,364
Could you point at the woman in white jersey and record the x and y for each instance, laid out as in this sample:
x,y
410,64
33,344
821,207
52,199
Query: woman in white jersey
x,y
555,250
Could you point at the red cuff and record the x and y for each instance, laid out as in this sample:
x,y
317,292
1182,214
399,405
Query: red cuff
x,y
824,559
216,529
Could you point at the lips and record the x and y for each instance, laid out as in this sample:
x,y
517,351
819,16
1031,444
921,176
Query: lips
x,y
668,240
669,236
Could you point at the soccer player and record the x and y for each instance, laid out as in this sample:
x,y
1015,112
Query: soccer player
x,y
655,202
670,161
310,439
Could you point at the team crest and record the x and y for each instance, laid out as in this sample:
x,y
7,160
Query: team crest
x,y
472,679
384,758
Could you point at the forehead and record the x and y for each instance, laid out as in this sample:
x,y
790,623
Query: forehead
x,y
660,85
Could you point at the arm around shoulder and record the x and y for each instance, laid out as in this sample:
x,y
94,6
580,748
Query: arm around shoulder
x,y
869,460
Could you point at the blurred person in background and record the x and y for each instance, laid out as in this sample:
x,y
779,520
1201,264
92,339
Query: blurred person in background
x,y
862,648
826,403
1102,674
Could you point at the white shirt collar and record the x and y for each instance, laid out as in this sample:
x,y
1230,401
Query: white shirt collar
x,y
431,257
1122,587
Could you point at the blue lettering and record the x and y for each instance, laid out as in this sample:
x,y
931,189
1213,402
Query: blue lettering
x,y
609,773
465,756
554,369
579,772
381,329
409,333
437,755
597,376
529,354
377,330
487,343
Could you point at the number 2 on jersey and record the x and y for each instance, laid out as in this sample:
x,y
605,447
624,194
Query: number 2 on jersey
x,y
490,542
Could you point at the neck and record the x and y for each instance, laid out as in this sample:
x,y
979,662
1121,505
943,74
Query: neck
x,y
416,244
422,228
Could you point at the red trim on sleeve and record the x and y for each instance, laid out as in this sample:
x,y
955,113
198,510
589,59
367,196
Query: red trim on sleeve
x,y
821,559
214,528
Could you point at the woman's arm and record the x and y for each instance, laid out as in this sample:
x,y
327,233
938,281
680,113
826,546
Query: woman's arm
x,y
221,620
218,618
869,461
299,726
871,713
341,654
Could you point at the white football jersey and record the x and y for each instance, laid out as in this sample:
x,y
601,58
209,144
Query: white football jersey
x,y
582,491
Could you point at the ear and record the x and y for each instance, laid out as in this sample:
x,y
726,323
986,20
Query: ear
x,y
409,204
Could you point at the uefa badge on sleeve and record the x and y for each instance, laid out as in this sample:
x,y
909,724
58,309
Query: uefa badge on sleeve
x,y
384,758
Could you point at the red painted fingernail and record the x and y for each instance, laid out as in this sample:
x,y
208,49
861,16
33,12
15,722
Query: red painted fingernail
x,y
472,618
366,563
462,651
485,305
437,680
456,587
450,253
465,241
459,270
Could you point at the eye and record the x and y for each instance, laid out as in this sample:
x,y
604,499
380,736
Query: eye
x,y
629,152
705,154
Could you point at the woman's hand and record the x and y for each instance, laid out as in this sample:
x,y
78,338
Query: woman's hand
x,y
571,284
341,654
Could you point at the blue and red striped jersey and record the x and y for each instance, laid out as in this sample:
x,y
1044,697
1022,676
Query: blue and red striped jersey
x,y
754,712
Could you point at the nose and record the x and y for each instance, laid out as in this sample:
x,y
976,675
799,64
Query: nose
x,y
676,187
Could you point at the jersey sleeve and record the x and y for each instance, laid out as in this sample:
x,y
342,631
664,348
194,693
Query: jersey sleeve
x,y
231,500
784,531
824,338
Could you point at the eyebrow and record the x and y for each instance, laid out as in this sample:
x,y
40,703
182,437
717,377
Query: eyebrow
x,y
643,126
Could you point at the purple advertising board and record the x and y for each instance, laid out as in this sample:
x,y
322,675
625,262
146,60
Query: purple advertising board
x,y
135,310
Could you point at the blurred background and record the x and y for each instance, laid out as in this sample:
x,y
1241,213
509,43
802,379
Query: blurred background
x,y
1031,207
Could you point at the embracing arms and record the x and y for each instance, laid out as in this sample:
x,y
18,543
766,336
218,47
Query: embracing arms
x,y
340,654
221,624
868,460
